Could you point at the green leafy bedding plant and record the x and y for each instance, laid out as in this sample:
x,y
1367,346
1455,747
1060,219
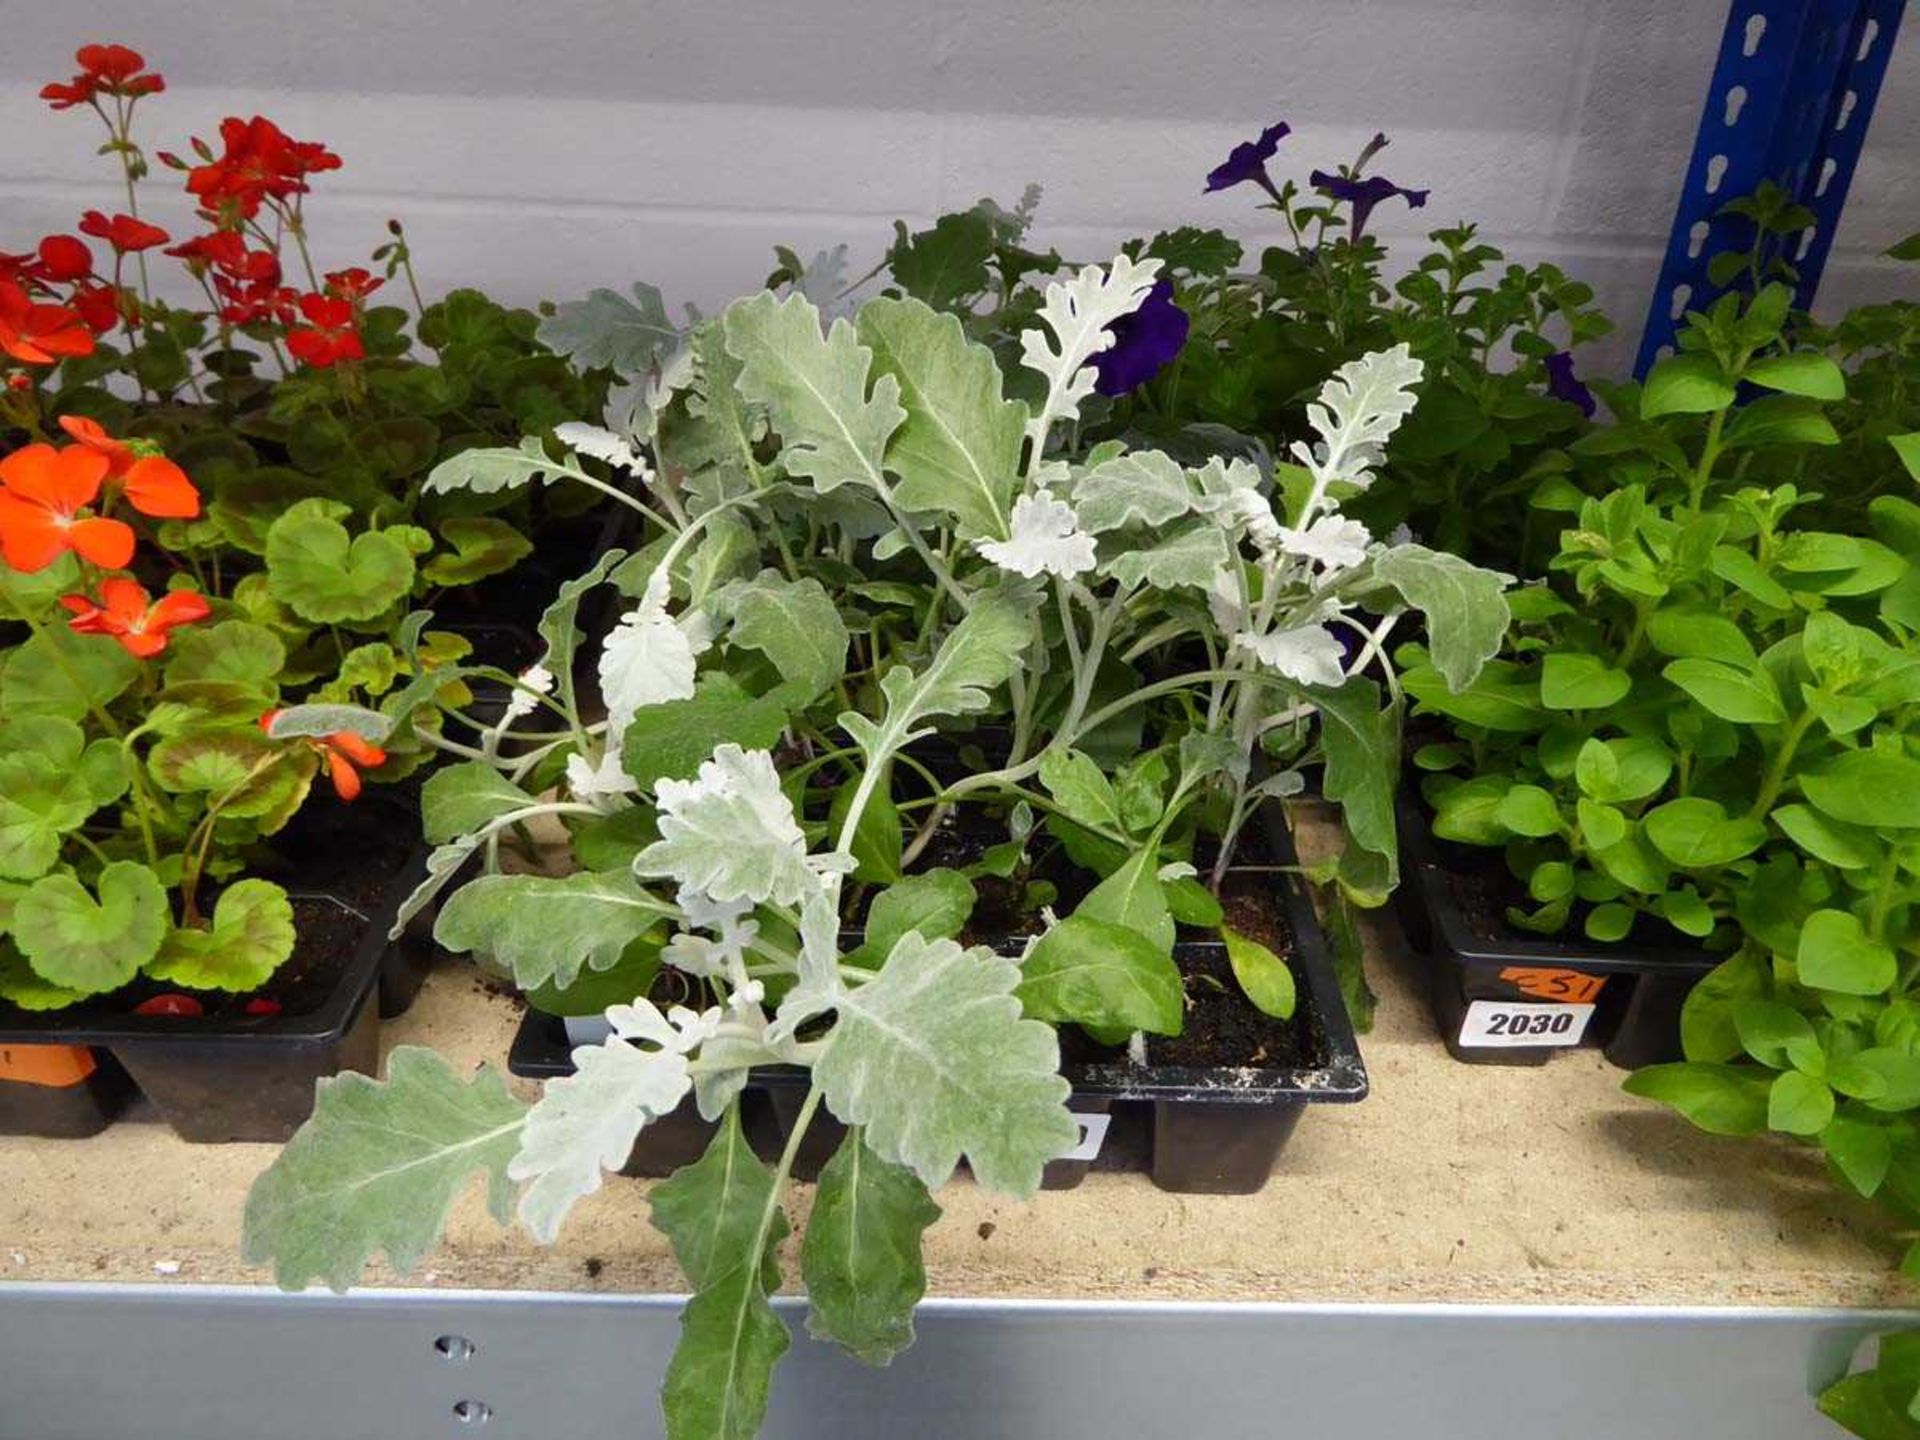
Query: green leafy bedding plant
x,y
859,554
1229,353
1654,741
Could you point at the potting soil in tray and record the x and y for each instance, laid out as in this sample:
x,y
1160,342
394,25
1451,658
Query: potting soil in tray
x,y
1504,996
1207,1113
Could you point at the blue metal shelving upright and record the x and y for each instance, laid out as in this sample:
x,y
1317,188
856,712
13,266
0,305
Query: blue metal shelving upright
x,y
1792,91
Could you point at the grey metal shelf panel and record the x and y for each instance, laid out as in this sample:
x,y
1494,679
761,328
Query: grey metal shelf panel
x,y
102,1362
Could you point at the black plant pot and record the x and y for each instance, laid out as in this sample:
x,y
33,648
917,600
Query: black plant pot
x,y
239,1077
1502,996
1193,1130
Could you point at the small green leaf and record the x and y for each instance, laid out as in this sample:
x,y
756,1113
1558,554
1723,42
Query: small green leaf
x,y
251,937
1265,979
710,1210
1528,810
1698,834
1799,1104
1688,634
1133,897
1802,373
1685,385
876,844
1777,1035
1092,972
730,1340
1576,681
1720,1099
1465,607
1081,789
1744,696
861,1257
1836,954
1602,826
1860,1150
1609,923
1846,847
1871,788
80,943
935,902
668,741
378,1167
1686,912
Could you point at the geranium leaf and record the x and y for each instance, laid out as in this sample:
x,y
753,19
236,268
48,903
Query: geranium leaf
x,y
795,624
1107,976
833,432
730,833
545,928
861,1256
459,799
235,652
41,800
483,545
251,937
1465,606
607,330
933,1056
57,672
958,450
377,1168
82,943
21,987
210,761
326,575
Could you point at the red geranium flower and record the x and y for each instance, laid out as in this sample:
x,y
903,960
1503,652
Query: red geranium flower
x,y
104,70
40,519
329,337
97,305
65,258
172,1005
222,249
39,334
343,751
125,233
258,162
153,484
139,622
352,285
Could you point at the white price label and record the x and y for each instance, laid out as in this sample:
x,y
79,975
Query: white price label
x,y
1093,1134
1491,1024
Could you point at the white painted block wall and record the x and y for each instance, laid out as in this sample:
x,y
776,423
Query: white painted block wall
x,y
537,148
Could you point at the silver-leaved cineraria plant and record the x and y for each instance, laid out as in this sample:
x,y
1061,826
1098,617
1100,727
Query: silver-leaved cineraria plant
x,y
775,465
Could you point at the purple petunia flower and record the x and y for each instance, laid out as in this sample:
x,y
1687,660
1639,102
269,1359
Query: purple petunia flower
x,y
1142,343
1363,195
1248,161
1563,384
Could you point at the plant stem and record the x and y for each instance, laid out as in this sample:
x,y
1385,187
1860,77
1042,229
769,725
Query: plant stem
x,y
1776,776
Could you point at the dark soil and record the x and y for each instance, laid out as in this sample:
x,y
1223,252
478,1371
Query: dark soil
x,y
1224,1030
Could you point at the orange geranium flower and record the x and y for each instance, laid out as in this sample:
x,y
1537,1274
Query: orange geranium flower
x,y
343,751
153,484
139,622
39,334
40,510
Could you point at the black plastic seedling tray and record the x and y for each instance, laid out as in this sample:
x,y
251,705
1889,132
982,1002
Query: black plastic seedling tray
x,y
248,1077
1194,1131
1493,993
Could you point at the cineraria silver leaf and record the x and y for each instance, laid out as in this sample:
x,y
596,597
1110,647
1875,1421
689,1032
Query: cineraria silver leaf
x,y
1046,540
1078,312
